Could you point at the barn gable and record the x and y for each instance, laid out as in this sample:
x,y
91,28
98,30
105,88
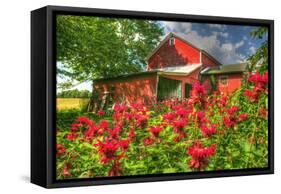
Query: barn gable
x,y
174,50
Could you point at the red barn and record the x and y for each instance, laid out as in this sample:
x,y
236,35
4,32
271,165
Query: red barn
x,y
173,66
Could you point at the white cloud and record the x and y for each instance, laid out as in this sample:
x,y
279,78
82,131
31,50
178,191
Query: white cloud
x,y
217,26
239,44
222,34
227,47
252,50
183,27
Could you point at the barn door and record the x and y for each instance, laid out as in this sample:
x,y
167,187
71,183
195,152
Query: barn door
x,y
168,88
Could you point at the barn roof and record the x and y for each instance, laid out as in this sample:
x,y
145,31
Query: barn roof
x,y
179,36
128,75
177,70
223,69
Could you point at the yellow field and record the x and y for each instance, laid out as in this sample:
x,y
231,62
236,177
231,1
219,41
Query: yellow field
x,y
71,103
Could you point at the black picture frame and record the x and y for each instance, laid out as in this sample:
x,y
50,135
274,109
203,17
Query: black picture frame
x,y
43,95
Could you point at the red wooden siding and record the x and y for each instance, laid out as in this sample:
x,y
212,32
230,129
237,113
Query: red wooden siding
x,y
137,89
234,82
179,54
207,61
207,83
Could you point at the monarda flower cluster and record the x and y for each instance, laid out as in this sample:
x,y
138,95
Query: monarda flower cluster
x,y
200,155
108,149
232,117
260,86
198,94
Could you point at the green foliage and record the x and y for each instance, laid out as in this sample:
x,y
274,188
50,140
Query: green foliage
x,y
94,47
213,82
259,60
64,118
74,94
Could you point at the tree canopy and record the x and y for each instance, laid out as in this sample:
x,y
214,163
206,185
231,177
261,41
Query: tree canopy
x,y
93,47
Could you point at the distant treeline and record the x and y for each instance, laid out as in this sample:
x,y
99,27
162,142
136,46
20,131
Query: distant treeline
x,y
74,94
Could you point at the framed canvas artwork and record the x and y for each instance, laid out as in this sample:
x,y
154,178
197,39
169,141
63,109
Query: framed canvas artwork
x,y
125,96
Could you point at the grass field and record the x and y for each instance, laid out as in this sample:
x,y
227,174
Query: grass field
x,y
71,103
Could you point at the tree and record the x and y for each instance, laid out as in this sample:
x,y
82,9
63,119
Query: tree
x,y
259,60
93,47
74,94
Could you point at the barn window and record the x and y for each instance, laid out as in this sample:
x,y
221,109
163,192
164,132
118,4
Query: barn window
x,y
172,41
224,80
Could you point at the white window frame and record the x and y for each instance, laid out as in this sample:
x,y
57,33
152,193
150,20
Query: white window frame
x,y
172,41
226,79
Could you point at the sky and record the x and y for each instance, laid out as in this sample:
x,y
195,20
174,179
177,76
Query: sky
x,y
229,44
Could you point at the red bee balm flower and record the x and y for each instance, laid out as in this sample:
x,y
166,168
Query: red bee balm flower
x,y
182,111
124,144
200,155
120,108
66,170
201,117
260,83
243,117
91,131
252,95
179,125
132,133
168,117
198,89
228,122
197,94
60,149
208,131
72,136
142,120
101,112
89,124
232,110
75,126
108,150
258,78
114,133
103,124
263,113
155,130
148,141
84,120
